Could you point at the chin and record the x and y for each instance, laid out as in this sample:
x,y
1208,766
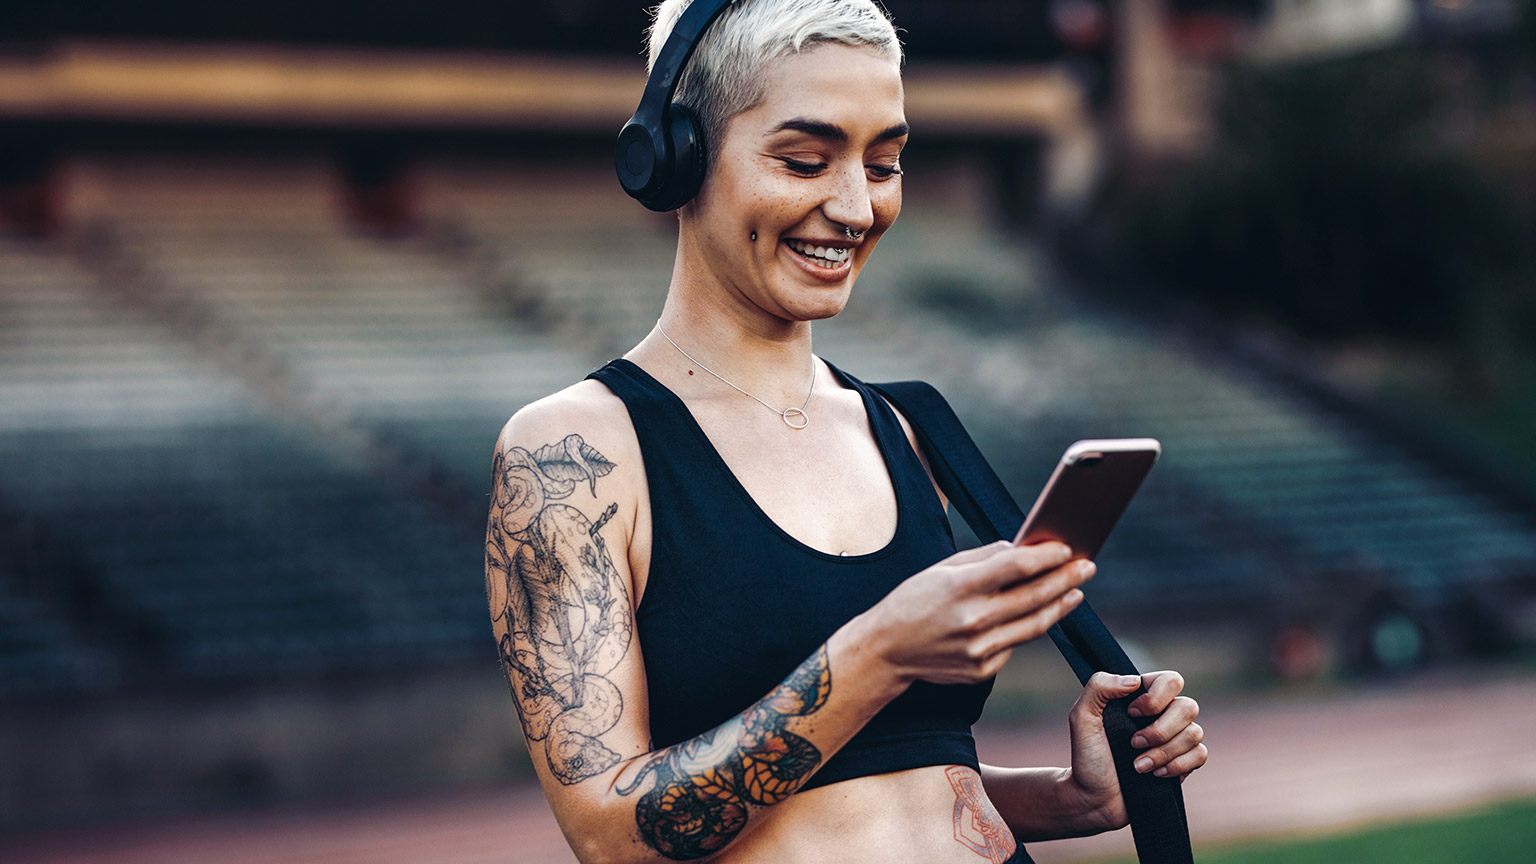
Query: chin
x,y
818,311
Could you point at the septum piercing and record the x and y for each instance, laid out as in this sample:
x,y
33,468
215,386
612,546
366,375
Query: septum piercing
x,y
852,234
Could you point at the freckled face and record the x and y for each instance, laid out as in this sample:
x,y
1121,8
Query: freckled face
x,y
820,153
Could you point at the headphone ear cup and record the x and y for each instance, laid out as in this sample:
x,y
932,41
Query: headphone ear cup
x,y
689,159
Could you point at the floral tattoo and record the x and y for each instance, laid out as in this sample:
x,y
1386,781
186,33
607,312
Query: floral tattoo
x,y
703,786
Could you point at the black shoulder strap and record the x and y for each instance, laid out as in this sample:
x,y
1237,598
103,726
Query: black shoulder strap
x,y
1155,804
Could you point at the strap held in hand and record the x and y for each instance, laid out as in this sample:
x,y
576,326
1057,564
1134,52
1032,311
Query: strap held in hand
x,y
1155,804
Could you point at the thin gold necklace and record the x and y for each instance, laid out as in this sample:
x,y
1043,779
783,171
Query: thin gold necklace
x,y
788,415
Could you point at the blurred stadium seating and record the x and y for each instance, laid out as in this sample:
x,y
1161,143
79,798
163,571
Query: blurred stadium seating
x,y
264,305
254,441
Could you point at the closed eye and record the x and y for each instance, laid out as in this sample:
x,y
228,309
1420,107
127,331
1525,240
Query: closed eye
x,y
884,172
804,169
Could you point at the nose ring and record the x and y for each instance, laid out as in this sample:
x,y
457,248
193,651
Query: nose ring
x,y
852,234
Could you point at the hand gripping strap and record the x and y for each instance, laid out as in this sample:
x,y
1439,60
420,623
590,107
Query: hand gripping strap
x,y
1155,804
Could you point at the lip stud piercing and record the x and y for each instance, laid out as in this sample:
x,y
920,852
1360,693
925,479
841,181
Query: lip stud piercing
x,y
754,236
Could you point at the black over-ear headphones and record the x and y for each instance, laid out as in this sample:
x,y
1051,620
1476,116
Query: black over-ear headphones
x,y
660,155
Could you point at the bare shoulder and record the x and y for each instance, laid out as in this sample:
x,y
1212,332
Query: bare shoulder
x,y
586,408
557,582
580,445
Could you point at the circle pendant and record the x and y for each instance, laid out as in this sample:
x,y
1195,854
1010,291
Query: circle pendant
x,y
792,415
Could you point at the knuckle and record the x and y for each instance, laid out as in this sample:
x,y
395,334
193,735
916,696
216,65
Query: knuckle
x,y
1016,567
995,663
954,580
1196,732
969,620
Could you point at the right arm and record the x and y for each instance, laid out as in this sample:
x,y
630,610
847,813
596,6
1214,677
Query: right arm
x,y
564,623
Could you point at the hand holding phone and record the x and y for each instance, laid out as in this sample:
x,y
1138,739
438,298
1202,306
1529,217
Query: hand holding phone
x,y
1087,493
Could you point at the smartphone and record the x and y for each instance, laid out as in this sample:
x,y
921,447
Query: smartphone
x,y
1089,490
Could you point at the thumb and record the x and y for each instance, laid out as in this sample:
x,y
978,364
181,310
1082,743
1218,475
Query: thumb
x,y
1093,761
1100,690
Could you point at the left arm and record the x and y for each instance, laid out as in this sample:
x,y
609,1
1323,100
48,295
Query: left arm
x,y
1051,803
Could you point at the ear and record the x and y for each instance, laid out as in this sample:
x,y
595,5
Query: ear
x,y
688,161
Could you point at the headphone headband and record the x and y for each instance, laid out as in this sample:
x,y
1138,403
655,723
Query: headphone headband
x,y
660,152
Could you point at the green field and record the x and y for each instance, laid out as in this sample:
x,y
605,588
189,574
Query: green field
x,y
1499,833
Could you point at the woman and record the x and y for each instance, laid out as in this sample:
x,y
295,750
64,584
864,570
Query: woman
x,y
722,515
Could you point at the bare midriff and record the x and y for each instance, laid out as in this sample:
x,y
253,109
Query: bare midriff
x,y
933,815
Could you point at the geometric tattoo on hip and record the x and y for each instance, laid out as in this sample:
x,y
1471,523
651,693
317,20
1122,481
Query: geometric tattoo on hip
x,y
978,825
559,608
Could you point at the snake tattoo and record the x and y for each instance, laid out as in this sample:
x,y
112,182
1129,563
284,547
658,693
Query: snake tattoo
x,y
562,620
559,608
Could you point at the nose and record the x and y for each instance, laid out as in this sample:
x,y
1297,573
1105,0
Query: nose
x,y
848,201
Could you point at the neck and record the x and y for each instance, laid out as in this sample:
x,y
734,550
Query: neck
x,y
770,359
723,330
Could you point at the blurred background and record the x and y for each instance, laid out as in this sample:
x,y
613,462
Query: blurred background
x,y
272,277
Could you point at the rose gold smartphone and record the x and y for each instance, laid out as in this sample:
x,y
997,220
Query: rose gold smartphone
x,y
1091,486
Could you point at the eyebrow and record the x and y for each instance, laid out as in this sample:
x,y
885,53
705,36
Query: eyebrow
x,y
833,132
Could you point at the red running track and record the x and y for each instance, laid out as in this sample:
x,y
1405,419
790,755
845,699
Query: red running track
x,y
1279,766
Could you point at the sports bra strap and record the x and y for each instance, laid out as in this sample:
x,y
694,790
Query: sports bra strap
x,y
1155,804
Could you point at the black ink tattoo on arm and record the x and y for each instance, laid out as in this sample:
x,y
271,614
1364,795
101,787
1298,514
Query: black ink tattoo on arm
x,y
698,803
558,605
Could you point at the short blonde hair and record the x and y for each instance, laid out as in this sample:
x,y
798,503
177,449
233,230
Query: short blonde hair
x,y
724,77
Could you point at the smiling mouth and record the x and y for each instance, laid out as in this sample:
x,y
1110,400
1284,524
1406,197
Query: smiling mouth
x,y
825,257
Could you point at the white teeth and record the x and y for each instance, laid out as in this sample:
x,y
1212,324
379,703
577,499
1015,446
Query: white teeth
x,y
823,256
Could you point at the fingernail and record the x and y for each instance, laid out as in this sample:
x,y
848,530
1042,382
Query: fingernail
x,y
1143,765
1127,681
1087,568
1139,740
1161,772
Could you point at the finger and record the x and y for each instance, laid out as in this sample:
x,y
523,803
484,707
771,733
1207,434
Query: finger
x,y
979,553
1100,689
1188,740
1179,715
1025,597
1032,626
1022,563
1184,765
1053,548
1162,688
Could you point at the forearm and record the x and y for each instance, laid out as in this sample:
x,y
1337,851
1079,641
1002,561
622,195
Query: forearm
x,y
1043,803
696,798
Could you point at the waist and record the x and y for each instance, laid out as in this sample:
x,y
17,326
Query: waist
x,y
893,743
932,815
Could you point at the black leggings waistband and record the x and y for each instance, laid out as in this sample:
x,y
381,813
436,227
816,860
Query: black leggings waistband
x,y
1019,856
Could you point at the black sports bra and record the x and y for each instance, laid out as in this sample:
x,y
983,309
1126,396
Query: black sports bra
x,y
733,603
